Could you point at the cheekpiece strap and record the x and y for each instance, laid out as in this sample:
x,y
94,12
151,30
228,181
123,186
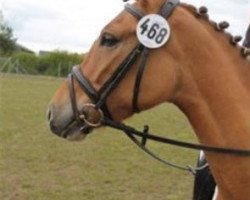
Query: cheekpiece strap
x,y
165,11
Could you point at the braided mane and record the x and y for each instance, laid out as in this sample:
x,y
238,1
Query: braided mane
x,y
202,14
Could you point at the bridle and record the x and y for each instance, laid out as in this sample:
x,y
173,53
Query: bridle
x,y
98,98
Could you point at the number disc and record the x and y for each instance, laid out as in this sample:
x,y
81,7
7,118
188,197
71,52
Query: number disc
x,y
153,31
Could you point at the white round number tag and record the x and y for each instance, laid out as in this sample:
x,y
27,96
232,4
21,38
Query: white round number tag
x,y
153,31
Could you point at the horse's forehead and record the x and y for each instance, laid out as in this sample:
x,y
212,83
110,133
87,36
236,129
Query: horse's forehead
x,y
124,22
126,17
149,5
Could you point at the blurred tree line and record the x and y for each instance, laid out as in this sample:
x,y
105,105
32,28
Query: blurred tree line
x,y
57,63
18,59
7,41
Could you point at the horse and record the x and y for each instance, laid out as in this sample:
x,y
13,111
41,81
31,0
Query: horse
x,y
197,66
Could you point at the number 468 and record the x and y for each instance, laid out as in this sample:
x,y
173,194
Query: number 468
x,y
155,32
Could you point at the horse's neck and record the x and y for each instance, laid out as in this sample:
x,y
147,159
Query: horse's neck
x,y
215,85
221,88
215,95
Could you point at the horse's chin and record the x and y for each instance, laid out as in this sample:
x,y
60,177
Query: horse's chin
x,y
73,132
75,136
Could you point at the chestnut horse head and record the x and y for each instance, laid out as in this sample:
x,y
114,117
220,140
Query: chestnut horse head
x,y
197,66
116,44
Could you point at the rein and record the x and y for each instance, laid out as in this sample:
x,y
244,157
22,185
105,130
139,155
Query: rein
x,y
98,99
146,135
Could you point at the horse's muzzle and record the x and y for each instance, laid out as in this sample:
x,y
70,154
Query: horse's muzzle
x,y
68,129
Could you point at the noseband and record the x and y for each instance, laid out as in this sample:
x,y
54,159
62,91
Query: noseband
x,y
98,99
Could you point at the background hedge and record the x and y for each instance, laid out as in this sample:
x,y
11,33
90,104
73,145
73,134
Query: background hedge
x,y
58,63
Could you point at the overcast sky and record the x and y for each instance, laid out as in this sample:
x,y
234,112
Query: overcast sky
x,y
73,25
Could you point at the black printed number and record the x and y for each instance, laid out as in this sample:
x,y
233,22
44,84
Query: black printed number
x,y
144,26
154,32
161,36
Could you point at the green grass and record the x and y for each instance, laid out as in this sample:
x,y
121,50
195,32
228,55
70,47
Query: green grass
x,y
37,165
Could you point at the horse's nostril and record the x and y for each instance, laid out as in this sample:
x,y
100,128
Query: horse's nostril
x,y
49,115
54,128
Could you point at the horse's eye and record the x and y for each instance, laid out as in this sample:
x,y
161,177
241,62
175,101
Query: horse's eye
x,y
109,40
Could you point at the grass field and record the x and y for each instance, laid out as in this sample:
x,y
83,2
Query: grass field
x,y
37,165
